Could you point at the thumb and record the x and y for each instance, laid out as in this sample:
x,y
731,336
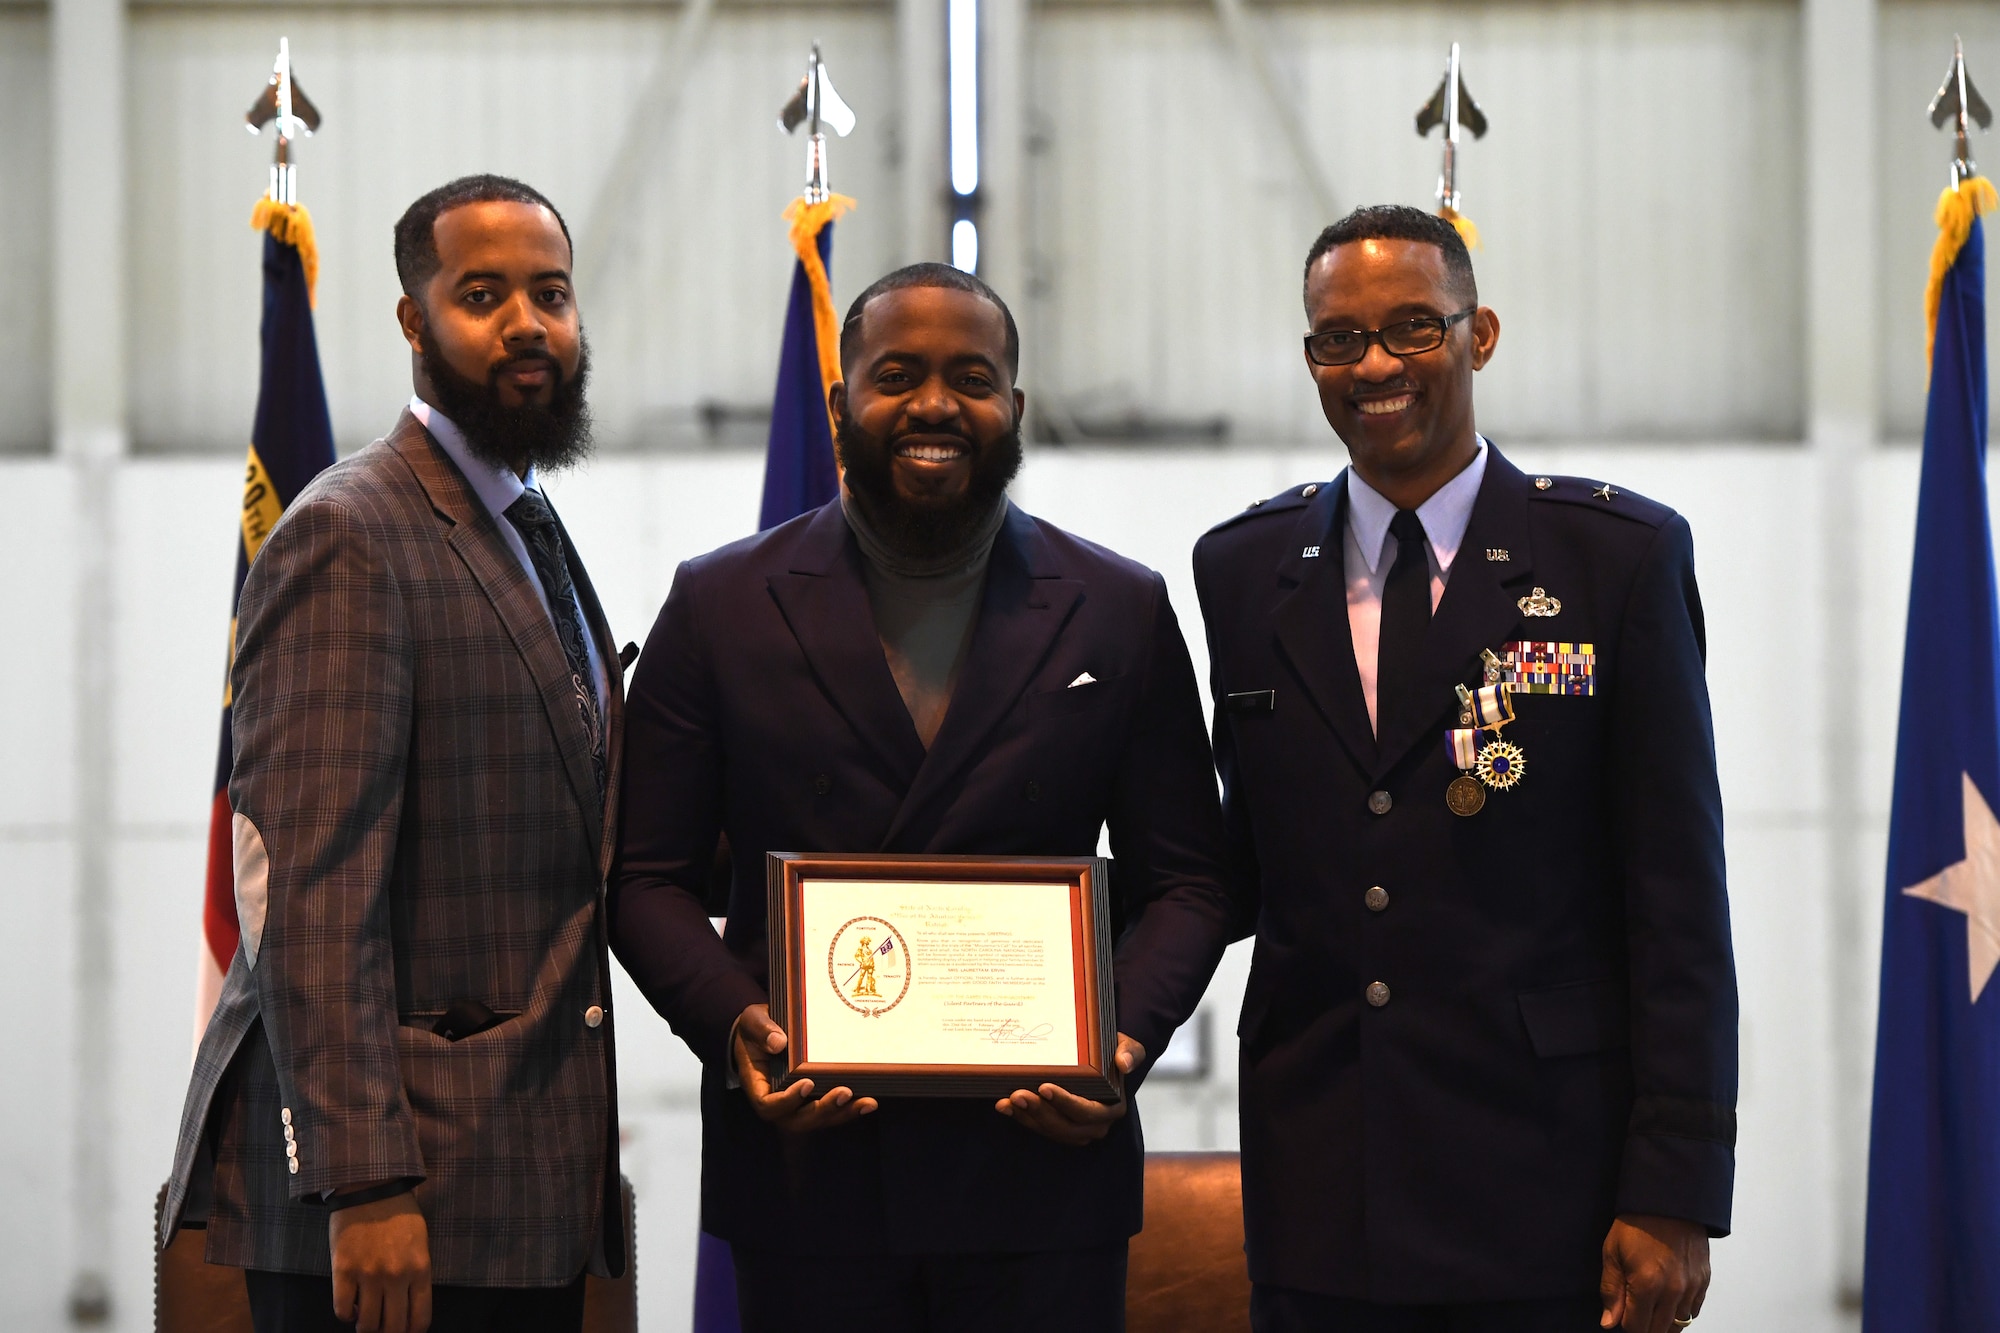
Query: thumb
x,y
759,1031
1611,1289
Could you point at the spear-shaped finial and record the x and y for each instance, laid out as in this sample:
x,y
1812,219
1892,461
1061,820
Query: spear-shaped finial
x,y
815,105
1959,103
1451,106
284,104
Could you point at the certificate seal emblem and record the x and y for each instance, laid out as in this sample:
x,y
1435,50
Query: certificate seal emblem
x,y
868,965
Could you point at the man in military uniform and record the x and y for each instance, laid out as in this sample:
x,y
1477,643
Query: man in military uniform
x,y
1489,1038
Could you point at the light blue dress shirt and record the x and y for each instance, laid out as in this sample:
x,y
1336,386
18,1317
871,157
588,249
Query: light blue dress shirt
x,y
497,487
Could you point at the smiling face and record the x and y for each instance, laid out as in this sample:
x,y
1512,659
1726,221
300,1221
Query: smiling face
x,y
928,416
1407,421
497,338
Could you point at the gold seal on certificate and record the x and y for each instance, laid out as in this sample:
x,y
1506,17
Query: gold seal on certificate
x,y
943,976
873,975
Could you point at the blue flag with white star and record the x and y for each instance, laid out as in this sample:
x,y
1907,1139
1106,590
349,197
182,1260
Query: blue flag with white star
x,y
1933,1257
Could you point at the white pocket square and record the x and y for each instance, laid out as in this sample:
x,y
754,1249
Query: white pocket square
x,y
1085,679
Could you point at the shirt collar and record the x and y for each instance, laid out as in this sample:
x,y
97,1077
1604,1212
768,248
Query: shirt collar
x,y
1444,516
497,487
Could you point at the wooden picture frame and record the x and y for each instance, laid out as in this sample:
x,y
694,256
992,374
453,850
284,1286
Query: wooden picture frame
x,y
988,961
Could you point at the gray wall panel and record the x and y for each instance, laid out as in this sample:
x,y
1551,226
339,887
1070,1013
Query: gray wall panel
x,y
1634,194
689,302
24,228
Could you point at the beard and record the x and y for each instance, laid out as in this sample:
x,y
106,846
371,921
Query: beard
x,y
547,437
923,529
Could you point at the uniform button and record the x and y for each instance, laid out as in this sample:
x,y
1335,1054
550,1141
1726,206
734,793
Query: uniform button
x,y
1377,898
1033,791
593,1016
1310,491
1380,801
822,784
292,1164
1378,994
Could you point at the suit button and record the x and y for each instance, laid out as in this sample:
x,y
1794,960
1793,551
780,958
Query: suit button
x,y
293,1164
1033,791
1377,898
593,1017
291,1148
822,784
1378,994
1380,801
285,1115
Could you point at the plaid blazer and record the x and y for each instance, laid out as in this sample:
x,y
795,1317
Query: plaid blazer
x,y
417,824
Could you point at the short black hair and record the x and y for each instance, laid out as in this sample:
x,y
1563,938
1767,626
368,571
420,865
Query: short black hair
x,y
1400,222
928,275
417,259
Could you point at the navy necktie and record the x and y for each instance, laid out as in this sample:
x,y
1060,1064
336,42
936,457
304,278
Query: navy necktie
x,y
536,522
1406,615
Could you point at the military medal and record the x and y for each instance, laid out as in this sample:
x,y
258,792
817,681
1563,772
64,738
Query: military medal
x,y
1486,760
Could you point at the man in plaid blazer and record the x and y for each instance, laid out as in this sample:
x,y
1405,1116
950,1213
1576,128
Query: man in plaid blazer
x,y
409,1078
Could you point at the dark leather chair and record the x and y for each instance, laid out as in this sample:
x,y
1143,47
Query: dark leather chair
x,y
191,1295
1187,1273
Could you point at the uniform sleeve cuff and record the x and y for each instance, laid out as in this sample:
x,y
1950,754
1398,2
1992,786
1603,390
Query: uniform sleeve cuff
x,y
1667,1175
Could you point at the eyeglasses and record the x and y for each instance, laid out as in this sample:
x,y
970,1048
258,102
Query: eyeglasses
x,y
1345,347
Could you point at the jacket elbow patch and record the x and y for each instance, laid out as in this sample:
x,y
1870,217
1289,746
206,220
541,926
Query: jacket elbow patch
x,y
253,883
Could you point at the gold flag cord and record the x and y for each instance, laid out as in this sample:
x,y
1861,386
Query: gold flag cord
x,y
1463,225
807,221
1956,209
291,224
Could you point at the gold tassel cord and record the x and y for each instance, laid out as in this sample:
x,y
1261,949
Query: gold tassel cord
x,y
291,224
1956,209
1463,225
807,221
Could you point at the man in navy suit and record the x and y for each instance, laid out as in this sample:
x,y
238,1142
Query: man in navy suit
x,y
1489,1038
916,667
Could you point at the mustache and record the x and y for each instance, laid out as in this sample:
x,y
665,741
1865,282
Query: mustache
x,y
528,356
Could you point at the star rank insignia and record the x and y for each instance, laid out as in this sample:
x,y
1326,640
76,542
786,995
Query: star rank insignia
x,y
1605,492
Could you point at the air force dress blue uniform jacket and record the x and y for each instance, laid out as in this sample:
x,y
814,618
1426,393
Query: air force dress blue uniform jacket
x,y
763,707
1553,1040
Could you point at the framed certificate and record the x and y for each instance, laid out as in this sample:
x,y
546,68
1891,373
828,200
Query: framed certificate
x,y
943,976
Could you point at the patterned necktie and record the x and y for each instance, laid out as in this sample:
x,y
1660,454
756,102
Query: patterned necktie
x,y
1406,616
536,522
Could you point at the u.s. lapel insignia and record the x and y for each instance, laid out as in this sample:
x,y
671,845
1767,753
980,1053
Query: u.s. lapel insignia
x,y
1498,555
1539,603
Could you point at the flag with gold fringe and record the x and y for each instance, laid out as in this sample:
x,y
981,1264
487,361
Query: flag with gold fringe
x,y
799,471
1934,1147
291,440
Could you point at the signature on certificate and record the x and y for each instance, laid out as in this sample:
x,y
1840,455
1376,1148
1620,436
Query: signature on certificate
x,y
1009,1032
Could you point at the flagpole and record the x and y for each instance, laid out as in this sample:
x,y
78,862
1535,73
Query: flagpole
x,y
1452,107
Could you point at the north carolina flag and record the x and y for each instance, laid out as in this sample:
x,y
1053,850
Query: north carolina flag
x,y
1933,1256
289,444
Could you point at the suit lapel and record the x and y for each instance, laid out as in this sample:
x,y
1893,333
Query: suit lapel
x,y
1026,604
1479,608
1312,620
825,602
612,706
475,535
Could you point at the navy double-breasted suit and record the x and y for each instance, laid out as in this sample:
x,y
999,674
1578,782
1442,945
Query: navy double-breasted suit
x,y
763,707
1556,1043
